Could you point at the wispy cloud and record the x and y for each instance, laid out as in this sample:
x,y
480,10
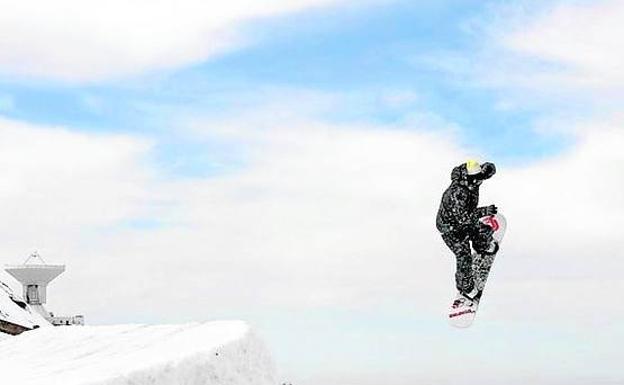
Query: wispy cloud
x,y
56,183
544,54
584,40
85,41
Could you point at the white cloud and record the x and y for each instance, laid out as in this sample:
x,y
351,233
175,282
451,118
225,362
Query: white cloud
x,y
584,40
56,185
78,41
564,238
542,55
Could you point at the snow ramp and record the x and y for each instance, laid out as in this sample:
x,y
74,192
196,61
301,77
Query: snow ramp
x,y
212,353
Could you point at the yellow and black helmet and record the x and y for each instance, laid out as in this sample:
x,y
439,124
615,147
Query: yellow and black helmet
x,y
473,167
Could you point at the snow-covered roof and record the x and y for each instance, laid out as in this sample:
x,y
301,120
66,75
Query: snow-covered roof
x,y
14,310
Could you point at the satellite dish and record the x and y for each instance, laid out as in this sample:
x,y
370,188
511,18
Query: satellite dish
x,y
35,275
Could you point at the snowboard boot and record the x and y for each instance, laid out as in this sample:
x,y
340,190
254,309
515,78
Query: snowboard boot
x,y
462,301
473,293
467,299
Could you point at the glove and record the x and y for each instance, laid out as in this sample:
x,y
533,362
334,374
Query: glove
x,y
488,169
490,210
485,230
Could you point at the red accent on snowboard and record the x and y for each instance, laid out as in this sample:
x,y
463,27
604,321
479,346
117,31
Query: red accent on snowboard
x,y
492,222
468,311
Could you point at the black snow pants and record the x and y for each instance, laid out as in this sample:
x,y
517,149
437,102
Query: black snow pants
x,y
459,243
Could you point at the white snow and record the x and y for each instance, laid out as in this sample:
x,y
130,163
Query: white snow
x,y
13,313
215,353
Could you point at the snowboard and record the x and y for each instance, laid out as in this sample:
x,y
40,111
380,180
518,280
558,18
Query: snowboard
x,y
463,310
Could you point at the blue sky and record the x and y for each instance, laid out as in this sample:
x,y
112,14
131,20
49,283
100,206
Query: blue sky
x,y
284,164
358,53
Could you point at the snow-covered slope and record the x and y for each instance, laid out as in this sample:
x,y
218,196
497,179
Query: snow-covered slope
x,y
22,315
215,353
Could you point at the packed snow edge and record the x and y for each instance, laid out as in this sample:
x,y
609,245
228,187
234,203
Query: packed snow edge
x,y
218,352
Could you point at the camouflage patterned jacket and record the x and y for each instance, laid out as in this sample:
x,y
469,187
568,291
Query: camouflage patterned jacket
x,y
458,209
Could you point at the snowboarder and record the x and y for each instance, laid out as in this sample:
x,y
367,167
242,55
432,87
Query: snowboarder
x,y
459,225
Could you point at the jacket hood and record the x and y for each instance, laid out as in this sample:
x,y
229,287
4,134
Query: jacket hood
x,y
460,174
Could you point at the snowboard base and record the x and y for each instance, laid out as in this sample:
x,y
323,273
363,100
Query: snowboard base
x,y
464,310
